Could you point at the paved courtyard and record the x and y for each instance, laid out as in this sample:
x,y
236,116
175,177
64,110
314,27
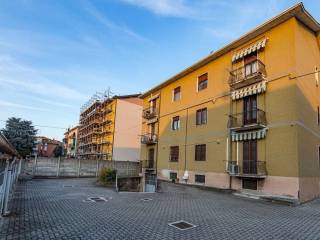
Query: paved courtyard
x,y
57,209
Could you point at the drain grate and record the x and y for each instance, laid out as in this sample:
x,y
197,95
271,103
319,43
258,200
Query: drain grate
x,y
146,199
96,199
182,225
67,186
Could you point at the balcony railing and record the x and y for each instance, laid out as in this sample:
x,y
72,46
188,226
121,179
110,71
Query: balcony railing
x,y
149,139
148,164
248,168
253,119
248,74
150,113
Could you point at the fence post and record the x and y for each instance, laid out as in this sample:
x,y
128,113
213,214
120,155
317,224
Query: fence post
x,y
79,167
20,166
7,184
4,188
58,167
97,168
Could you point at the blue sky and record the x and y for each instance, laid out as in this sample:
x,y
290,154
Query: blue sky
x,y
54,54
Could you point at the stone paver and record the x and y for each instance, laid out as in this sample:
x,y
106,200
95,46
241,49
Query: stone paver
x,y
56,209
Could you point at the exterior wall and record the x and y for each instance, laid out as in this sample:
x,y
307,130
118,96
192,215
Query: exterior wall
x,y
71,142
308,99
281,135
146,127
290,102
126,145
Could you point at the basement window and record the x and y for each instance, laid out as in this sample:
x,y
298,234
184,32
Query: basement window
x,y
200,178
173,175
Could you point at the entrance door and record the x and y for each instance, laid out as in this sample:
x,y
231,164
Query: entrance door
x,y
151,157
250,109
250,157
150,182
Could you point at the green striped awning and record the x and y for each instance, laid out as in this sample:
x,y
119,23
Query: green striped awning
x,y
252,135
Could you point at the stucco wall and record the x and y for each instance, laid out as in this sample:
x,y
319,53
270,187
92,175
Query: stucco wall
x,y
126,144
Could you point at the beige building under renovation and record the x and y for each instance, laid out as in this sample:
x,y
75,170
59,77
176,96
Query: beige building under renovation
x,y
109,128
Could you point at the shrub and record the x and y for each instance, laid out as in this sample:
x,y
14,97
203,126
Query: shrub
x,y
107,176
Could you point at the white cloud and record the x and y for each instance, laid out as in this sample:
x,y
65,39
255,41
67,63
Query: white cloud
x,y
53,103
19,76
102,19
176,8
22,106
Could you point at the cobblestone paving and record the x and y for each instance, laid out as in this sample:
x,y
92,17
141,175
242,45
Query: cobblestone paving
x,y
57,209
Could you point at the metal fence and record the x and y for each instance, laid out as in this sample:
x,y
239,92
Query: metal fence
x,y
8,178
71,167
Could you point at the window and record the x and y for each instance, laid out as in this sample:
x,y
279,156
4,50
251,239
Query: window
x,y
203,81
173,175
250,63
174,153
175,123
201,117
199,178
200,152
177,94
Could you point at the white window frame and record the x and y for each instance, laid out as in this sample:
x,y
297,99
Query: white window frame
x,y
197,85
178,126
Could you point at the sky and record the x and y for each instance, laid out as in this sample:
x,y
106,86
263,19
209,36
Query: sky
x,y
55,54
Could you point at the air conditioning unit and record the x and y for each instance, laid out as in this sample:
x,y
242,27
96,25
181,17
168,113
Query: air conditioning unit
x,y
233,169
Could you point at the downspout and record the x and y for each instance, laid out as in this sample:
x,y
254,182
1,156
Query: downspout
x,y
157,148
229,143
185,175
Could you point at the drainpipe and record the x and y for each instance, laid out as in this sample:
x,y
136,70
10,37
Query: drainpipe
x,y
185,174
157,147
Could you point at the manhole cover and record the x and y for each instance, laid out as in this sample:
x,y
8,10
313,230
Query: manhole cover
x,y
146,199
182,225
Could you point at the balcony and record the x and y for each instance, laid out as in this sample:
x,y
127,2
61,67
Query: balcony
x,y
150,113
249,120
248,74
149,139
148,164
254,169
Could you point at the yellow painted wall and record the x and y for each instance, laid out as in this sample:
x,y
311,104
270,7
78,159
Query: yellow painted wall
x,y
286,102
308,99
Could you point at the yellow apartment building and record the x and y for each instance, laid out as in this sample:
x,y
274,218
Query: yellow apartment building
x,y
71,141
109,128
244,117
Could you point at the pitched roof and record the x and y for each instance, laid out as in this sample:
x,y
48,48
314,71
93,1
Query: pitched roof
x,y
297,11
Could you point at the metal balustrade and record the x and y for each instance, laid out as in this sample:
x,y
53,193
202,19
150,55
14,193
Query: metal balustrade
x,y
247,168
248,74
149,139
8,178
250,119
150,112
